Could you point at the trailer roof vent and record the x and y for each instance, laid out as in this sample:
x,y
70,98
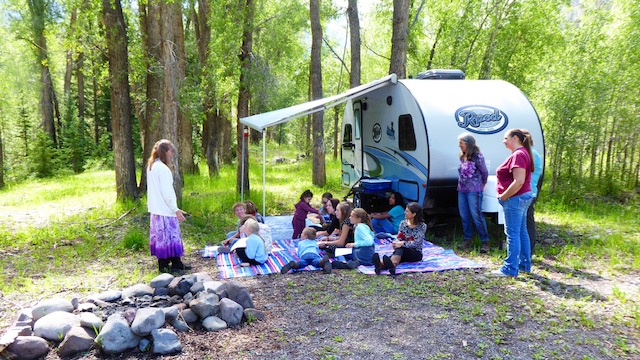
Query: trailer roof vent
x,y
441,74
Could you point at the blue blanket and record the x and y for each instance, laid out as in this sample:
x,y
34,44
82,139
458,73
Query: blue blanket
x,y
434,258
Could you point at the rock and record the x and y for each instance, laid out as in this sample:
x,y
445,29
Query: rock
x,y
230,312
205,305
180,285
91,322
146,320
216,287
239,294
170,313
161,291
116,335
29,347
129,315
196,288
161,281
98,302
108,296
188,315
214,323
49,306
270,306
78,339
254,314
165,342
75,302
180,325
138,290
144,345
55,326
187,298
202,277
86,307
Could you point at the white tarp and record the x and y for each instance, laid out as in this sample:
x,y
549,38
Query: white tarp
x,y
262,121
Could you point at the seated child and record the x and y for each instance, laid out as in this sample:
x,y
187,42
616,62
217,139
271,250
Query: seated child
x,y
251,209
308,253
265,233
254,253
232,236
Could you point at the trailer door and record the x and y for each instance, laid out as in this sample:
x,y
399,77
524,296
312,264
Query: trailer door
x,y
351,149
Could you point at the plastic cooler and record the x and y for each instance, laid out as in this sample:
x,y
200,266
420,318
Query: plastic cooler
x,y
490,202
375,185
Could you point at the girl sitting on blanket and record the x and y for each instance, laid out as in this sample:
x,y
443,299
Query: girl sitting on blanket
x,y
333,227
251,209
254,253
363,247
302,210
264,233
344,237
408,246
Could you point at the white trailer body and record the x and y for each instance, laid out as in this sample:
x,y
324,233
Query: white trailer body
x,y
407,133
404,133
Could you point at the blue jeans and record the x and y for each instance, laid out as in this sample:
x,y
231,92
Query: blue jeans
x,y
515,227
383,225
309,258
363,254
470,207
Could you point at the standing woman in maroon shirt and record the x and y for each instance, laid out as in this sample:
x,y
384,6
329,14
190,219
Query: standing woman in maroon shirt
x,y
514,194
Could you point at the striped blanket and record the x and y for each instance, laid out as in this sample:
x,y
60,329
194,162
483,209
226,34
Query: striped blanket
x,y
434,257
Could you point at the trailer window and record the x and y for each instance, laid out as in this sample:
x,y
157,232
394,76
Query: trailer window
x,y
347,137
406,135
357,114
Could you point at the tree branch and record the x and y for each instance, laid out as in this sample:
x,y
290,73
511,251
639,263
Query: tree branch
x,y
336,55
415,19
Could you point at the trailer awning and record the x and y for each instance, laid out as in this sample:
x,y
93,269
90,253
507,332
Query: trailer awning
x,y
262,121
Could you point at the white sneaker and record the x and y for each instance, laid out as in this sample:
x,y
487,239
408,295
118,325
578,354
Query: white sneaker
x,y
499,273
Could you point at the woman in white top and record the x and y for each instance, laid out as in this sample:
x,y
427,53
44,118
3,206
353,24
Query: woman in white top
x,y
165,239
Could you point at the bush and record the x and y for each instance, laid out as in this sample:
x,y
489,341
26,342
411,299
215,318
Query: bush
x,y
135,239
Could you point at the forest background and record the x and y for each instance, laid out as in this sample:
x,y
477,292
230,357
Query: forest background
x,y
92,85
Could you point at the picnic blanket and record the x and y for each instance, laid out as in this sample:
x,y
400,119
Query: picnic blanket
x,y
434,258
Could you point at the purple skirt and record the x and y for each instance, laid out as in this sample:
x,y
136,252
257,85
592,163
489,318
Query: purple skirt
x,y
165,240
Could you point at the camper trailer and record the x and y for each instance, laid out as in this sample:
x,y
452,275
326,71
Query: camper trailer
x,y
401,135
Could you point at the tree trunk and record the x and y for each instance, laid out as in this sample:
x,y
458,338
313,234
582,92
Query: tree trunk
x,y
319,177
171,76
185,129
151,122
354,36
1,161
399,38
432,54
69,69
212,127
80,79
244,96
94,82
116,35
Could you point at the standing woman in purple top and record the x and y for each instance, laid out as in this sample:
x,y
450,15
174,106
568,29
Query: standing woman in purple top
x,y
302,210
472,177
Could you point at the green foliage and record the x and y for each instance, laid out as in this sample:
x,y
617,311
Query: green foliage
x,y
42,156
135,239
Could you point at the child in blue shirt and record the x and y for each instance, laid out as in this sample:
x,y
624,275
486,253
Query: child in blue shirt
x,y
254,253
388,222
308,253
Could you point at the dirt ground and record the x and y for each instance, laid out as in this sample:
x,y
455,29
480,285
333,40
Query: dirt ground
x,y
555,313
448,315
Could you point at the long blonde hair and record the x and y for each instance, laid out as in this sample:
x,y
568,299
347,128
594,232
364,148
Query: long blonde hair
x,y
363,216
160,151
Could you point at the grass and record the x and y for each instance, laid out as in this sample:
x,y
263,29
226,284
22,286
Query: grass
x,y
61,237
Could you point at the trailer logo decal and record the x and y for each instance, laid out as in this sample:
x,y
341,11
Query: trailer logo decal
x,y
377,132
481,119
